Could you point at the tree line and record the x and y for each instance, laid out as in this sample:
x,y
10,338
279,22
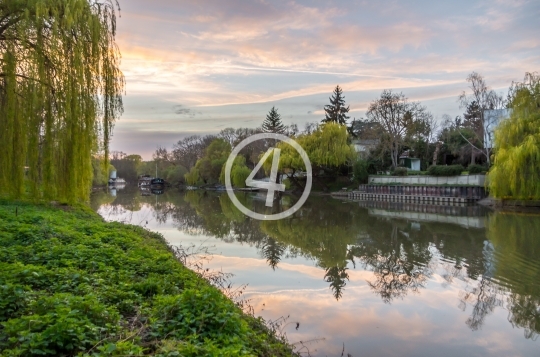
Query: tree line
x,y
394,123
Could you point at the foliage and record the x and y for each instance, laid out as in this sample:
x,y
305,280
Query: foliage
x,y
445,170
475,169
360,171
192,177
336,111
482,98
326,147
400,171
516,171
100,176
459,141
187,151
127,166
175,174
400,120
414,172
61,88
71,284
272,123
209,167
239,172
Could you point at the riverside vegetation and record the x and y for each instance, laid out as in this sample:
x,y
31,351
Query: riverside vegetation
x,y
74,285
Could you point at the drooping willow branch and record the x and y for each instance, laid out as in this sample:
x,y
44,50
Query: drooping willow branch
x,y
60,93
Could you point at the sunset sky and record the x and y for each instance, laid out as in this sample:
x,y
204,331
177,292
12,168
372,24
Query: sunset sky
x,y
196,67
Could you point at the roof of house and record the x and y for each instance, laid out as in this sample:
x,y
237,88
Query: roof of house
x,y
407,155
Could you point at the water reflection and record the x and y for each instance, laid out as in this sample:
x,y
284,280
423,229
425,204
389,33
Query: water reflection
x,y
490,258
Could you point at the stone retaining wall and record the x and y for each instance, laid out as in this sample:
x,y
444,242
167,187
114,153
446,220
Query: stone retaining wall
x,y
471,180
471,193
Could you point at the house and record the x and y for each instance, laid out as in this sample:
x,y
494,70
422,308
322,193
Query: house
x,y
363,146
411,163
492,119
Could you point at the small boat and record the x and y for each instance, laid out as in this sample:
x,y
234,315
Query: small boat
x,y
249,189
157,182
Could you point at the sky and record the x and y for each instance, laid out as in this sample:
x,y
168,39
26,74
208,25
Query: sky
x,y
197,67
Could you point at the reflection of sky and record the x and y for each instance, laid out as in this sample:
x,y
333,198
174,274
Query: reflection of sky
x,y
429,323
197,67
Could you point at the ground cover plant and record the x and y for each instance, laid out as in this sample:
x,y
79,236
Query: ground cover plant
x,y
74,285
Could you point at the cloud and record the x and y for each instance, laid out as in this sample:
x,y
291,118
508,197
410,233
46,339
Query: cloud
x,y
237,57
180,110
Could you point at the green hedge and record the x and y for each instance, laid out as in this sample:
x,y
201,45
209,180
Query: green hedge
x,y
74,285
400,171
420,173
450,170
476,169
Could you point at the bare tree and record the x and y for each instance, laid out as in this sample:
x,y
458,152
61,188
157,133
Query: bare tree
x,y
187,151
162,155
310,127
486,99
397,117
229,135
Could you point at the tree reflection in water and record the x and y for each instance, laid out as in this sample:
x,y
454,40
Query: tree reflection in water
x,y
497,266
337,276
272,250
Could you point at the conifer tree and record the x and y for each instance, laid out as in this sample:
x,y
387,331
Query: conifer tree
x,y
336,111
272,123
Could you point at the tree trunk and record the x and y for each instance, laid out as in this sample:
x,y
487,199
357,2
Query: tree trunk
x,y
436,153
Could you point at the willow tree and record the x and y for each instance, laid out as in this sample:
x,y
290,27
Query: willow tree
x,y
60,93
326,147
516,172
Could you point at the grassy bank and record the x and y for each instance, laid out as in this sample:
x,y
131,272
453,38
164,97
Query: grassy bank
x,y
74,285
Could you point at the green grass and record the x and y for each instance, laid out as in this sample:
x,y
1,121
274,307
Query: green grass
x,y
74,285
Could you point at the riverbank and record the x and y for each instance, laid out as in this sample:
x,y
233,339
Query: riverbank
x,y
511,205
73,284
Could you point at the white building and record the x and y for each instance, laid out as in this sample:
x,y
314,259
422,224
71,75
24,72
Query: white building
x,y
363,146
492,119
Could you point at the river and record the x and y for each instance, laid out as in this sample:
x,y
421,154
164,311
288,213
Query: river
x,y
365,278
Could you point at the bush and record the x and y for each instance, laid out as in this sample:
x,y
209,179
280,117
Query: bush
x,y
476,169
414,172
440,170
360,171
175,174
400,171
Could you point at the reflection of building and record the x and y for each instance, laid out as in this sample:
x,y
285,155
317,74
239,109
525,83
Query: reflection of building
x,y
411,163
116,181
492,119
145,180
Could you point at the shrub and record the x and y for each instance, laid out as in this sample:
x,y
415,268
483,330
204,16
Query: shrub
x,y
414,172
400,171
360,171
440,170
476,169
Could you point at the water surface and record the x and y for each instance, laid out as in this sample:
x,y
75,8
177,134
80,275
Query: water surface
x,y
379,278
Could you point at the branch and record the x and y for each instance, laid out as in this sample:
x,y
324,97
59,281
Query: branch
x,y
474,146
28,78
